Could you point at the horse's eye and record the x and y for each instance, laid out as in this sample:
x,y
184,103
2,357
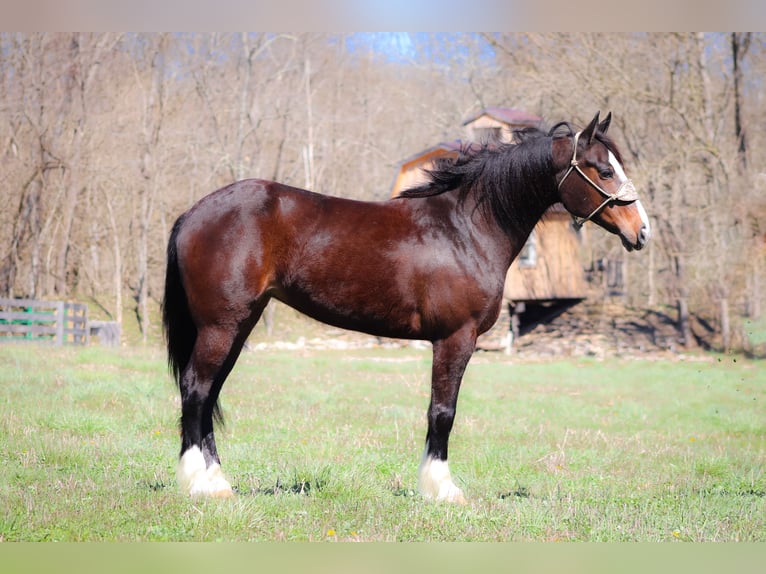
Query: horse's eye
x,y
606,174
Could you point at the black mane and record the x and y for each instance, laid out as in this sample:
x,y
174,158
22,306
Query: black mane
x,y
508,180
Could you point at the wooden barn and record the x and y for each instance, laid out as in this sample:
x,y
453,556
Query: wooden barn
x,y
547,277
497,124
411,170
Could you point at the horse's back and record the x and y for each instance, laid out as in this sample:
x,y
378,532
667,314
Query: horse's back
x,y
244,196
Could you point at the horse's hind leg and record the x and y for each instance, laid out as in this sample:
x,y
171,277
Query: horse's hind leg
x,y
215,352
450,359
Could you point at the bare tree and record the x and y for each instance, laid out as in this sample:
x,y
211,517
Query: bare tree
x,y
672,95
150,78
83,54
107,137
740,44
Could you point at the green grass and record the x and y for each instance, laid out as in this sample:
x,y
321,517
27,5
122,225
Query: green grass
x,y
324,446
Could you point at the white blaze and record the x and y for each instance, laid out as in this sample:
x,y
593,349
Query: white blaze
x,y
644,218
618,171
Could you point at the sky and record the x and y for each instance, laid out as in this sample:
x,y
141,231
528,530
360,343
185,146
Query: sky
x,y
382,15
406,47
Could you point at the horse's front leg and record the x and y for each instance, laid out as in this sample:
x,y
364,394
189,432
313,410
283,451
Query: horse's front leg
x,y
451,355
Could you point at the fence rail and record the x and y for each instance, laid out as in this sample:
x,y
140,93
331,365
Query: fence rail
x,y
56,322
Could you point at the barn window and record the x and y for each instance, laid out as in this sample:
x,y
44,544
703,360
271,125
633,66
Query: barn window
x,y
528,255
488,135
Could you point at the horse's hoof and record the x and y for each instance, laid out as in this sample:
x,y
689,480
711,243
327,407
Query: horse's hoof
x,y
223,493
452,495
219,486
435,482
459,499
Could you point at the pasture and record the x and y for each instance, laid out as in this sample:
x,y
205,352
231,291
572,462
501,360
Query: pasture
x,y
324,446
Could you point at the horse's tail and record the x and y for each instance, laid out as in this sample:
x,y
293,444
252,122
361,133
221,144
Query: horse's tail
x,y
180,330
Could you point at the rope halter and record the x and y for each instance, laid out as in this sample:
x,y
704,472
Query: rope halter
x,y
626,192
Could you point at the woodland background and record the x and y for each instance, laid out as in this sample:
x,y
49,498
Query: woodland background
x,y
105,138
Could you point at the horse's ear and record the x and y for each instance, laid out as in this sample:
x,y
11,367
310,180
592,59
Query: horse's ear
x,y
603,126
589,132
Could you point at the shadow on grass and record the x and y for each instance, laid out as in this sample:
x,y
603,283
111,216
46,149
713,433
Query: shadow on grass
x,y
297,484
520,492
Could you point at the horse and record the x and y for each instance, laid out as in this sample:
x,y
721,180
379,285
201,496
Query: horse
x,y
428,265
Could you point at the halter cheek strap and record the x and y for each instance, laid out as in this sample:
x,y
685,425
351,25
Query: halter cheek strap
x,y
626,192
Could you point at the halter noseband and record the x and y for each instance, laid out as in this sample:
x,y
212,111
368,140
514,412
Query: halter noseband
x,y
626,192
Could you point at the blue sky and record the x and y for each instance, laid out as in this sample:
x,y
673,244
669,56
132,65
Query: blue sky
x,y
403,47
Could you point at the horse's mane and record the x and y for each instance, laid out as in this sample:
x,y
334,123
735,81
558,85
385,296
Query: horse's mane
x,y
507,179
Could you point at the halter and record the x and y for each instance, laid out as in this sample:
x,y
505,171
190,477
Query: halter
x,y
626,192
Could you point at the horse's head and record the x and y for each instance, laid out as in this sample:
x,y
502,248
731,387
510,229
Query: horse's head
x,y
593,186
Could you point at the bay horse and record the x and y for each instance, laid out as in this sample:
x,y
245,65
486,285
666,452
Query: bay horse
x,y
428,265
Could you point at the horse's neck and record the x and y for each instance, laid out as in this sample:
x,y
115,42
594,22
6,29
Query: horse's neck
x,y
509,238
490,242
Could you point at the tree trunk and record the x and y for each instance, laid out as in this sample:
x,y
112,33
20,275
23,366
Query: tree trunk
x,y
725,326
152,124
753,294
740,42
308,149
117,253
684,330
143,265
652,300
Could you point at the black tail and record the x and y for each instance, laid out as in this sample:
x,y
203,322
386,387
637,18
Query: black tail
x,y
180,330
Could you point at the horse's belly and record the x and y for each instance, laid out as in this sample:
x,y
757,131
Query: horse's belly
x,y
373,316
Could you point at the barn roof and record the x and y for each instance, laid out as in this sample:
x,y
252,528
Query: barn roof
x,y
510,116
449,146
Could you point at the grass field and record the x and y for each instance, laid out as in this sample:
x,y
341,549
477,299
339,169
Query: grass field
x,y
324,446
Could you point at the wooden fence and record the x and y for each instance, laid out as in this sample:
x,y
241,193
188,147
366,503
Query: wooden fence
x,y
55,322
